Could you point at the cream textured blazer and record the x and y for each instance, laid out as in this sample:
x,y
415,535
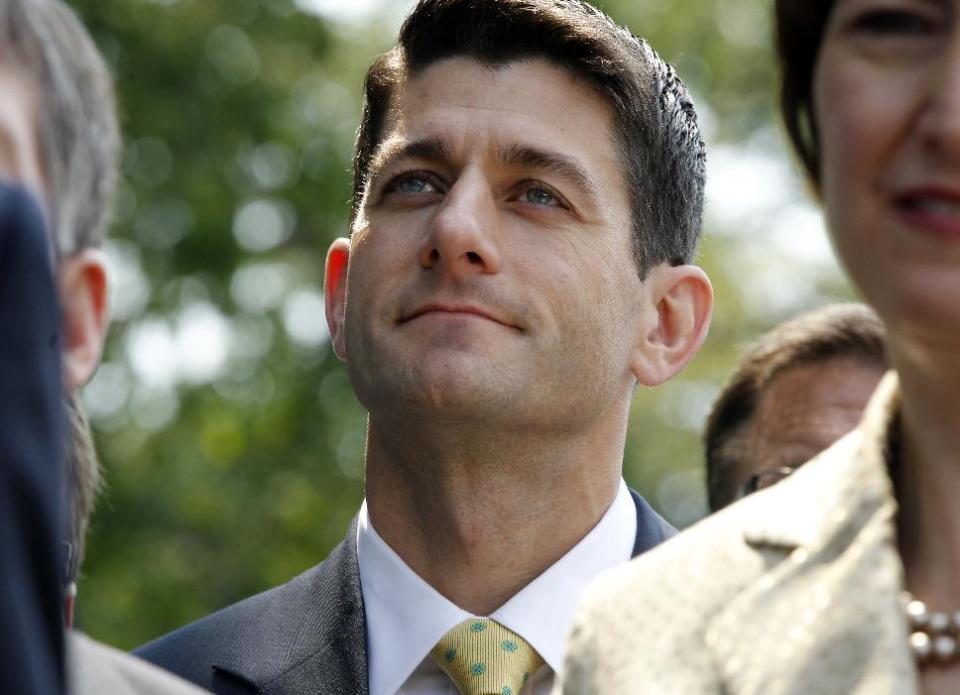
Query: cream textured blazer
x,y
795,589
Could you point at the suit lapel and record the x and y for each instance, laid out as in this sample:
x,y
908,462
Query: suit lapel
x,y
652,529
825,615
312,638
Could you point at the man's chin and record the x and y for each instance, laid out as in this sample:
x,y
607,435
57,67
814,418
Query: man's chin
x,y
438,395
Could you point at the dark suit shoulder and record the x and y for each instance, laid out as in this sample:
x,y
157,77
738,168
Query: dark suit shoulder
x,y
193,649
268,641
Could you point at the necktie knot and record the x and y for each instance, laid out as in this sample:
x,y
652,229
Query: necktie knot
x,y
482,657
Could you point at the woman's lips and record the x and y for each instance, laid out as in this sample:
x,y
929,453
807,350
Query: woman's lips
x,y
931,210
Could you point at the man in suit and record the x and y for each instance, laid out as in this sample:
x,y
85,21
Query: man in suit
x,y
528,187
59,143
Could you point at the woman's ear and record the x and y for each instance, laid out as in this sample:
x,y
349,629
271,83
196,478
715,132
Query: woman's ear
x,y
86,315
335,293
681,299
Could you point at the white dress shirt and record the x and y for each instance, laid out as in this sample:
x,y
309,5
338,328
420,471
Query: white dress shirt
x,y
406,617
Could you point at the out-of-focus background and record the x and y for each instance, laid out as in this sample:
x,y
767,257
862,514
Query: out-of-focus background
x,y
231,441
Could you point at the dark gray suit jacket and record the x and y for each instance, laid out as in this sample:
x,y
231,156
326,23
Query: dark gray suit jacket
x,y
307,636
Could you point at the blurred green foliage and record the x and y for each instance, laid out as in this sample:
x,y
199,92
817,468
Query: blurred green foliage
x,y
232,475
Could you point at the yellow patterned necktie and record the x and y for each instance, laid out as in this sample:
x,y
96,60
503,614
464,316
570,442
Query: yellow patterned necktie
x,y
482,657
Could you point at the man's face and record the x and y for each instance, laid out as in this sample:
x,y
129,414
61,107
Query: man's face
x,y
491,272
19,144
804,411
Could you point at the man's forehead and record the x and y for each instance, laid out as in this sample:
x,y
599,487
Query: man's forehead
x,y
531,94
816,401
459,103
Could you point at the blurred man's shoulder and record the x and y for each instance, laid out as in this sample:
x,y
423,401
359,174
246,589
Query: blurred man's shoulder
x,y
95,668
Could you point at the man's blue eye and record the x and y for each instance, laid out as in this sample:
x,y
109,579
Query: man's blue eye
x,y
540,196
413,184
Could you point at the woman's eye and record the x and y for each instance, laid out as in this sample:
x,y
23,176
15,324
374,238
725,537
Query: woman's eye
x,y
893,23
539,196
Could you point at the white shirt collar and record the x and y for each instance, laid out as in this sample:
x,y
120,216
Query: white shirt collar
x,y
406,617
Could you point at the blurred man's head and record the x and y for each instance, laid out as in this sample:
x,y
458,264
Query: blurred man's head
x,y
798,389
59,139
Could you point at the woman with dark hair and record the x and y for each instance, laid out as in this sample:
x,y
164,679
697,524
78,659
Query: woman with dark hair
x,y
844,578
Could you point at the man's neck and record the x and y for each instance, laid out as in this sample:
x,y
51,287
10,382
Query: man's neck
x,y
478,516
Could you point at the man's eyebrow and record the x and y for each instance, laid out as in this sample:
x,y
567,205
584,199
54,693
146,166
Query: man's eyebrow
x,y
560,164
431,149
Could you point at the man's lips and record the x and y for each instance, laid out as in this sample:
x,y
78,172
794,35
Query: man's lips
x,y
453,310
932,209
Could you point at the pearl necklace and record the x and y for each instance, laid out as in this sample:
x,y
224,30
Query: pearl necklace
x,y
934,635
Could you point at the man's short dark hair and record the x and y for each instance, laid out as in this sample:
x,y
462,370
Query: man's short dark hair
x,y
832,332
800,25
657,133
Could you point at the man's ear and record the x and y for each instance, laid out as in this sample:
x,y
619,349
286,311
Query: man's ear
x,y
335,293
86,314
681,299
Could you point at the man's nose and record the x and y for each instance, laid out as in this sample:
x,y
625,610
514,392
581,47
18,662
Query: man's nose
x,y
462,241
940,121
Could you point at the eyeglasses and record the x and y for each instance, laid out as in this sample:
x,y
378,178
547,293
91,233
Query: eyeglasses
x,y
763,479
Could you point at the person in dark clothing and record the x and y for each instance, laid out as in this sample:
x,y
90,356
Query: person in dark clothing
x,y
31,455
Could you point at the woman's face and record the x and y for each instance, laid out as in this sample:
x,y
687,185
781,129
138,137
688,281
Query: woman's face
x,y
887,108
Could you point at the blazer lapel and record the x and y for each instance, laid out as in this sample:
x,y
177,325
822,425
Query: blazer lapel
x,y
825,614
312,639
